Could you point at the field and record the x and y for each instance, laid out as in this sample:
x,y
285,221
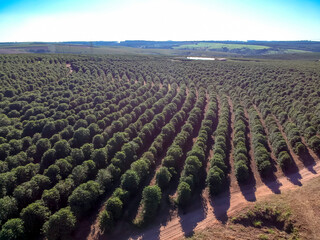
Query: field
x,y
240,49
268,49
221,46
118,146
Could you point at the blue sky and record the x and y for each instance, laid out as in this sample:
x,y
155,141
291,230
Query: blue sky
x,y
118,20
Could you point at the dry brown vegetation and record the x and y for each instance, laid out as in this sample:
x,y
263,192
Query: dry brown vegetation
x,y
299,207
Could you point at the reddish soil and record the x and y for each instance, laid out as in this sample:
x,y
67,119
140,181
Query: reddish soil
x,y
206,204
253,166
95,232
207,103
277,171
183,225
94,228
232,176
68,65
153,180
298,160
194,140
205,212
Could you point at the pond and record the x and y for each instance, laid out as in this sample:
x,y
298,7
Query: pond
x,y
201,58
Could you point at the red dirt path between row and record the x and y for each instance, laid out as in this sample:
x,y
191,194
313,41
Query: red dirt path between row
x,y
208,214
207,211
174,230
68,65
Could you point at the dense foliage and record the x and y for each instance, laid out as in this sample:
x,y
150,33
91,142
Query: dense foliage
x,y
240,143
76,129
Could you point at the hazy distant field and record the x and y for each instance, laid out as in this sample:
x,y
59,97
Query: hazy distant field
x,y
220,46
284,50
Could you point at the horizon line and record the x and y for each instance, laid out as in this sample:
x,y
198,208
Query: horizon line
x,y
119,41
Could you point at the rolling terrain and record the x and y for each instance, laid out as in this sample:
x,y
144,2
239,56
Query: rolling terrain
x,y
149,147
265,49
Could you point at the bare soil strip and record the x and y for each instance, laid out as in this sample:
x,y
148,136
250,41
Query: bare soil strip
x,y
233,180
302,160
68,65
173,230
277,171
209,211
256,175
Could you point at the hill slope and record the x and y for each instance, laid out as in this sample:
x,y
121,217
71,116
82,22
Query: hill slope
x,y
299,207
